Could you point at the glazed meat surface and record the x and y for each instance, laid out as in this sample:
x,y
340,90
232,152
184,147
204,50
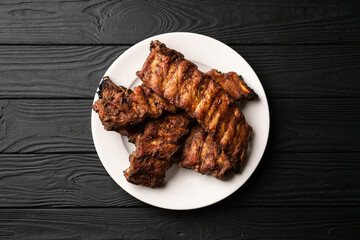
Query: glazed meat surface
x,y
204,155
147,170
233,85
119,107
179,81
155,148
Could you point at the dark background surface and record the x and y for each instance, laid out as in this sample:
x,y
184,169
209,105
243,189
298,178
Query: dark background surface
x,y
52,56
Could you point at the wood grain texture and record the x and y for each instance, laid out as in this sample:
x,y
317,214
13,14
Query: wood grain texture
x,y
53,71
52,56
305,71
75,71
314,125
59,180
297,125
45,126
301,179
79,180
127,22
208,223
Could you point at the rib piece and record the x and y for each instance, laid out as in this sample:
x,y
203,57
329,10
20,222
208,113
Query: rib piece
x,y
155,148
203,154
179,81
147,170
119,107
233,85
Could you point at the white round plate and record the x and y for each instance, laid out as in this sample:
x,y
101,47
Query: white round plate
x,y
184,188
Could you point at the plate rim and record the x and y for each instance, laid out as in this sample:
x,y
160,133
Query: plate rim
x,y
127,52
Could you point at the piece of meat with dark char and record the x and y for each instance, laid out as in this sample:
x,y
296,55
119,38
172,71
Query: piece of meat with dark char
x,y
179,81
119,107
155,149
147,170
234,85
125,111
203,154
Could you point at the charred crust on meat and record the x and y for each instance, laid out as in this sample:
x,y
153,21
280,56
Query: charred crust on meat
x,y
198,103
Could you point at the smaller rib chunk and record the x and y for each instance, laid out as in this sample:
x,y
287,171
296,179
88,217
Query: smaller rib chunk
x,y
155,148
145,170
233,85
119,107
204,155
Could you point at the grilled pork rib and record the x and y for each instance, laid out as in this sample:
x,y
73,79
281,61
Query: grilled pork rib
x,y
119,107
155,148
233,85
203,154
179,81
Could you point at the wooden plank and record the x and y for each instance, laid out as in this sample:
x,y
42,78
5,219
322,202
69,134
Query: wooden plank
x,y
45,126
314,125
59,180
301,179
127,22
208,223
305,71
79,180
53,71
75,71
297,125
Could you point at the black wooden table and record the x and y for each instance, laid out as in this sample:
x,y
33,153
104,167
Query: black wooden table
x,y
52,56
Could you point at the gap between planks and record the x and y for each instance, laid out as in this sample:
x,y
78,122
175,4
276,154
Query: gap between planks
x,y
228,44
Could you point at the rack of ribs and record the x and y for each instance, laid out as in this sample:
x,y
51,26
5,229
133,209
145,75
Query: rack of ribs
x,y
178,80
155,148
